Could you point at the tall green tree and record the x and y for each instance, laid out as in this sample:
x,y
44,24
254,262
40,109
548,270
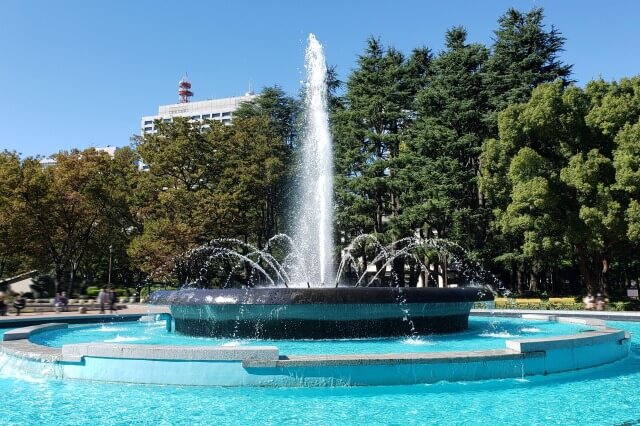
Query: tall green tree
x,y
12,260
281,115
378,109
524,55
443,150
440,156
566,193
205,182
281,110
178,205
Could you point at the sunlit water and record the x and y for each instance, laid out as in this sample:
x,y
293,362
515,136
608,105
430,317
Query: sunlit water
x,y
598,396
482,334
314,230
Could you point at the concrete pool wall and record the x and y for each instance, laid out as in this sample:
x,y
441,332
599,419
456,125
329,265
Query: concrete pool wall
x,y
265,366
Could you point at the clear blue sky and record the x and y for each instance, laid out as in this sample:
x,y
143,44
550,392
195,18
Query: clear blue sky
x,y
82,73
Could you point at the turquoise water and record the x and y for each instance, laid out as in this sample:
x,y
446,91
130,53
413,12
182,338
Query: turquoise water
x,y
608,395
483,333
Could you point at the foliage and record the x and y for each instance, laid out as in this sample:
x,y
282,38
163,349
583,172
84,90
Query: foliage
x,y
207,182
491,147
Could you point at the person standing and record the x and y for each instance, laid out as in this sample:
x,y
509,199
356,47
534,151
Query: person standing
x,y
103,297
64,301
113,298
3,307
19,304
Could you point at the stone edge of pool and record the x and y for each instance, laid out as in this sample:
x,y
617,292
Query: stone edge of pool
x,y
265,366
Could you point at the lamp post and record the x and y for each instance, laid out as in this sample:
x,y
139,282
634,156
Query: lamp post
x,y
109,275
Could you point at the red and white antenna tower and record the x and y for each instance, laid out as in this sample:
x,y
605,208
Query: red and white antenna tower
x,y
184,89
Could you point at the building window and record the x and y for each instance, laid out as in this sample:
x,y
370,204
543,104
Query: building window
x,y
226,121
226,114
214,115
205,116
195,117
167,120
147,122
148,129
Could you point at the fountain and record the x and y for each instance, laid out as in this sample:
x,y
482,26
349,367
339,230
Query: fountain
x,y
279,303
295,309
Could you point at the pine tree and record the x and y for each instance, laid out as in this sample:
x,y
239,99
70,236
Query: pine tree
x,y
524,55
442,151
378,109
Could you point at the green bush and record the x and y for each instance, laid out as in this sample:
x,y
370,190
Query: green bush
x,y
93,291
618,306
144,293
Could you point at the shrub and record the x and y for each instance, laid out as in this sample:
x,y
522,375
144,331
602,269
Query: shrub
x,y
144,293
93,291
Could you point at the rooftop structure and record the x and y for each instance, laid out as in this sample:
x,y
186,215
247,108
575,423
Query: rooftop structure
x,y
51,162
214,109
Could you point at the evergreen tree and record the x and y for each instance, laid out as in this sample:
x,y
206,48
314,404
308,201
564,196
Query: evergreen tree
x,y
281,110
524,55
441,155
378,109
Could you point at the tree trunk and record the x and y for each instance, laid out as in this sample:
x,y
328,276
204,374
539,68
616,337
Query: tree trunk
x,y
379,213
533,281
398,271
605,277
520,281
72,278
59,278
587,270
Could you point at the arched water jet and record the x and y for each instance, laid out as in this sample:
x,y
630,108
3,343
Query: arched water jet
x,y
329,312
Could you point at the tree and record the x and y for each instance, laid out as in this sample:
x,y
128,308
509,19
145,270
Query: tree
x,y
256,163
440,155
63,209
524,55
445,142
176,205
569,179
11,232
378,109
281,115
281,110
207,182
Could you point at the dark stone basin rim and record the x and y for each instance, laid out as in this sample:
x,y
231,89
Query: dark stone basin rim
x,y
339,295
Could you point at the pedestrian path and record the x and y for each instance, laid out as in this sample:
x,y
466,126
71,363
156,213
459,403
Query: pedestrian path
x,y
132,312
605,315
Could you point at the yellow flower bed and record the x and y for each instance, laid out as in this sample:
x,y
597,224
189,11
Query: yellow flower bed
x,y
552,303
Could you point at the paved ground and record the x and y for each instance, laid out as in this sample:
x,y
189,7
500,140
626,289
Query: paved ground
x,y
606,315
131,311
143,309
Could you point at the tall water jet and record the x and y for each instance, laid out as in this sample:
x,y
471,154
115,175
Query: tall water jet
x,y
281,312
314,233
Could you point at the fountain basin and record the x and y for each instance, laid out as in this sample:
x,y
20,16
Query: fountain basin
x,y
320,313
267,366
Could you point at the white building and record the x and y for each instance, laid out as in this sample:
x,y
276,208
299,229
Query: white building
x,y
50,162
215,109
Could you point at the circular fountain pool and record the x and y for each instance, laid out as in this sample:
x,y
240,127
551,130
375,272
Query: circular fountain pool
x,y
598,395
483,334
491,349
